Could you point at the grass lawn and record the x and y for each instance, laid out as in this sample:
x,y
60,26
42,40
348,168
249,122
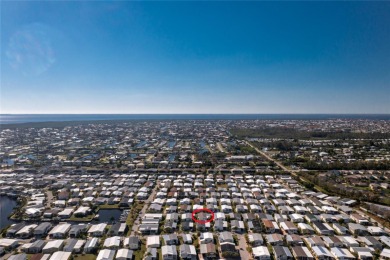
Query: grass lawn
x,y
133,215
139,254
85,257
84,219
222,185
106,206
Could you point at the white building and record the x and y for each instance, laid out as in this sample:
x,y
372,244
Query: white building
x,y
261,253
60,255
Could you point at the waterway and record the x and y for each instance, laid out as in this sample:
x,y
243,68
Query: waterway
x,y
7,205
171,144
203,148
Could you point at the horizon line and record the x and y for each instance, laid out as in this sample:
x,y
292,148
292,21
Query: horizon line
x,y
322,113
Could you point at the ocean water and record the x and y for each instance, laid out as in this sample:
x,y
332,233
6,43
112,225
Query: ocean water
x,y
25,118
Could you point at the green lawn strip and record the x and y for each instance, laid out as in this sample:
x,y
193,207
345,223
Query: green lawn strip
x,y
85,257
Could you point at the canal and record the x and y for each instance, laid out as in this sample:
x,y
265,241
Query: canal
x,y
7,205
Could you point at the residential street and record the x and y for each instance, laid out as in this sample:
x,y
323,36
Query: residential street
x,y
49,198
143,211
244,254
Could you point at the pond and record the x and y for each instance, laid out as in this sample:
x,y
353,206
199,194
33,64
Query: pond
x,y
108,215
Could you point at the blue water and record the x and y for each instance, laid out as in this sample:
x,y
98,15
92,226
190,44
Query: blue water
x,y
13,119
6,207
107,215
141,144
172,157
203,147
171,144
8,162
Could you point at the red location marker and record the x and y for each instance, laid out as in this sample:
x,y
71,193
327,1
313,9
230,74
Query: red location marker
x,y
202,221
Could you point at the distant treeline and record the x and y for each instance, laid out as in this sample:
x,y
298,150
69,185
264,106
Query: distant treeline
x,y
358,165
290,133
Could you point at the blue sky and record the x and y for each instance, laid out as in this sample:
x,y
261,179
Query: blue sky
x,y
195,57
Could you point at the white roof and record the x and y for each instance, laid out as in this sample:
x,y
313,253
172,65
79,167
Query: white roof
x,y
350,240
153,240
307,251
32,211
122,227
168,250
79,243
27,229
385,240
375,229
341,252
60,228
206,235
187,237
54,244
112,241
385,253
66,211
82,210
106,254
152,216
261,251
6,242
125,253
92,242
321,251
25,246
60,255
98,227
296,216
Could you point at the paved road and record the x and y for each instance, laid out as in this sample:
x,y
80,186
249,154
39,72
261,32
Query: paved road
x,y
270,158
49,198
244,254
134,229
